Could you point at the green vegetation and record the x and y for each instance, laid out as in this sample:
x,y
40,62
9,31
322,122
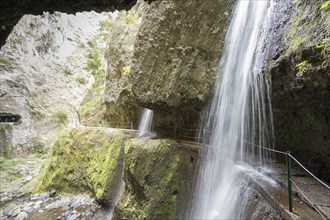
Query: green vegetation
x,y
131,17
325,5
105,27
82,80
7,164
303,64
302,67
68,71
38,149
92,108
297,41
4,127
84,161
5,61
106,24
94,61
89,108
155,166
6,151
323,44
60,118
12,171
126,70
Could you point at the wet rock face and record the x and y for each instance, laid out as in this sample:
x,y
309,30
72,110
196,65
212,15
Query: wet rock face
x,y
12,11
176,54
300,85
119,52
157,184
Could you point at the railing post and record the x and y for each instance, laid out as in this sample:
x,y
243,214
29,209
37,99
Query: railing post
x,y
288,169
131,125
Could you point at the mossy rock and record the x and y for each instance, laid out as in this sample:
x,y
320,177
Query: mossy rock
x,y
85,161
300,84
153,181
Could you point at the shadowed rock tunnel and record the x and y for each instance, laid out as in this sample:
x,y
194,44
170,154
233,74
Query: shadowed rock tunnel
x,y
12,11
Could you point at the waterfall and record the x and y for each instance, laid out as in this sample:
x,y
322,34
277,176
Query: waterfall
x,y
145,122
237,116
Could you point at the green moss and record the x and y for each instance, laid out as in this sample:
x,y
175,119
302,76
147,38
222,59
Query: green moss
x,y
131,18
297,41
325,5
84,161
152,181
4,127
6,151
5,61
302,67
323,44
11,173
126,70
305,63
90,112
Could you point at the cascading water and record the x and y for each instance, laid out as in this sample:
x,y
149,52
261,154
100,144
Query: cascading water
x,y
145,122
236,118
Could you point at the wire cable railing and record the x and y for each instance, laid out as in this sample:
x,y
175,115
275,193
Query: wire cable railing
x,y
186,134
183,134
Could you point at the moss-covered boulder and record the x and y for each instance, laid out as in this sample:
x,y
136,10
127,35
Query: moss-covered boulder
x,y
85,161
155,183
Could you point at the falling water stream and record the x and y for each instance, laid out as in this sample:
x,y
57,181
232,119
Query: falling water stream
x,y
145,122
237,116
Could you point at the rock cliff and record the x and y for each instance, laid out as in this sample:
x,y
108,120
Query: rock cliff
x,y
43,71
12,11
301,84
176,54
120,108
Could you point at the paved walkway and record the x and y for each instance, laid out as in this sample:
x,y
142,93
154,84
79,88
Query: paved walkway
x,y
318,194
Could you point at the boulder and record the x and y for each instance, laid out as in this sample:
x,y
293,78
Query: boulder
x,y
156,177
85,161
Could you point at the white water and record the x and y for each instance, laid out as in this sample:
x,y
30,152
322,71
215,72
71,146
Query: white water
x,y
237,117
145,122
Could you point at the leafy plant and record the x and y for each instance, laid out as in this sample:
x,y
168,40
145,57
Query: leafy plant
x,y
60,118
94,61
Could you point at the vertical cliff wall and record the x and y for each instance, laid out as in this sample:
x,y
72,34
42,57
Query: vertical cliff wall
x,y
300,72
